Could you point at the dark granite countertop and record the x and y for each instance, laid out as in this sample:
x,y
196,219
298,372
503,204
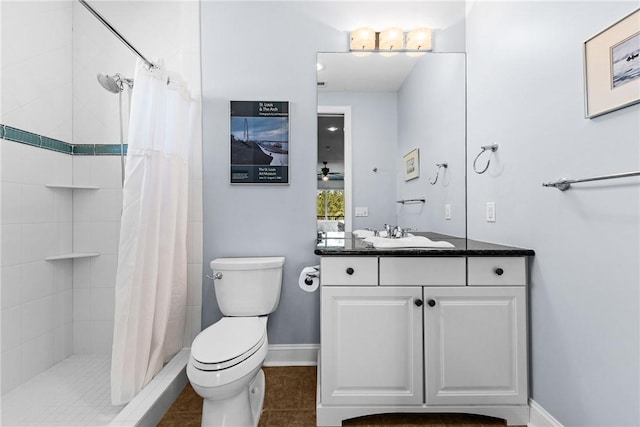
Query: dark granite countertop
x,y
345,244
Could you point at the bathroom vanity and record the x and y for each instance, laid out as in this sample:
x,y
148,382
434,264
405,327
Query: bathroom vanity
x,y
422,330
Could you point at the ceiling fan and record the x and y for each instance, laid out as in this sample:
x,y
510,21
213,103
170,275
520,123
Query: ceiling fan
x,y
325,172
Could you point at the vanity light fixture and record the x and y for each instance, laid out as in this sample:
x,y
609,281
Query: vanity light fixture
x,y
390,40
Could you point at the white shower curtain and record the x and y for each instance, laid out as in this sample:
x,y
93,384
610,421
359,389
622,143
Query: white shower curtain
x,y
151,282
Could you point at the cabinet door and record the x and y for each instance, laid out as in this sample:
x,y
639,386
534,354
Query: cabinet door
x,y
475,345
371,340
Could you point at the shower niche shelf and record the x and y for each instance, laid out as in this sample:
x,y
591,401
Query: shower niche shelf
x,y
72,255
73,186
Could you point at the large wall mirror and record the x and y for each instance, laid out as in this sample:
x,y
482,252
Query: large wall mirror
x,y
402,139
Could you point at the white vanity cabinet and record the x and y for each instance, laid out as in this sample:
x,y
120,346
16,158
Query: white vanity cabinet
x,y
371,345
475,345
423,334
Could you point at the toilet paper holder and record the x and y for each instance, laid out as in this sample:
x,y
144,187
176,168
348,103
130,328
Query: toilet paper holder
x,y
310,276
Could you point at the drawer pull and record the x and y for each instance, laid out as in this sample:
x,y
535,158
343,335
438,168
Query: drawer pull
x,y
350,271
431,303
499,271
418,302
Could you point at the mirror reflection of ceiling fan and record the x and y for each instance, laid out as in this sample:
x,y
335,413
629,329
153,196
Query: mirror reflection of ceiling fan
x,y
325,174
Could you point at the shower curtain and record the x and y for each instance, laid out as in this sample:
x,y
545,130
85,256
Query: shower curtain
x,y
151,281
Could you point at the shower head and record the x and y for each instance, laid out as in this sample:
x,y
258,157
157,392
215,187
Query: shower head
x,y
115,83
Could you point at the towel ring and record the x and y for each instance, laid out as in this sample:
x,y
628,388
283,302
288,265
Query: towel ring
x,y
493,147
438,165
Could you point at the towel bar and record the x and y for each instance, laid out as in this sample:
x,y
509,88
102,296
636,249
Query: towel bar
x,y
564,184
409,201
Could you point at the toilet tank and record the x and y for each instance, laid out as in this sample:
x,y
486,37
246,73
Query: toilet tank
x,y
247,286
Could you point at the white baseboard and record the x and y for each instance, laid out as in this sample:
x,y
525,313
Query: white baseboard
x,y
292,355
538,417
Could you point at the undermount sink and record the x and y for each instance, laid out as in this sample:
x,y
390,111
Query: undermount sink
x,y
406,242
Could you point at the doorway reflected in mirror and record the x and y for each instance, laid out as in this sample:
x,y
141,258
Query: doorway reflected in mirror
x,y
330,173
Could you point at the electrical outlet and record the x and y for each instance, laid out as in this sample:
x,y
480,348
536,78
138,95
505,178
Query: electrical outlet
x,y
491,211
362,211
447,211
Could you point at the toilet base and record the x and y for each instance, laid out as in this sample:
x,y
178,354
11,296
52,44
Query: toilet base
x,y
243,409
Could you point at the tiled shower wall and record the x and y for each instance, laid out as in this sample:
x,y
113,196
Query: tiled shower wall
x,y
36,294
96,227
51,309
36,297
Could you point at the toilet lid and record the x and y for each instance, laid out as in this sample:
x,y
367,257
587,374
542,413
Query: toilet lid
x,y
228,342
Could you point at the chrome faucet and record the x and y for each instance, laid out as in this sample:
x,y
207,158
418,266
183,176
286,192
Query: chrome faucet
x,y
396,232
376,233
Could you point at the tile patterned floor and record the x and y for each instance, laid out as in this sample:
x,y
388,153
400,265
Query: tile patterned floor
x,y
290,402
73,393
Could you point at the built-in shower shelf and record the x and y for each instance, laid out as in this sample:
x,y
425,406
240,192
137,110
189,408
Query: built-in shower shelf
x,y
72,255
73,186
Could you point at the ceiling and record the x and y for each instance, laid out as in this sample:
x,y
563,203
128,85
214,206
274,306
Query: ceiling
x,y
331,143
357,73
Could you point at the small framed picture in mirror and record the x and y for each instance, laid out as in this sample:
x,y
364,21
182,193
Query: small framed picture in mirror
x,y
411,162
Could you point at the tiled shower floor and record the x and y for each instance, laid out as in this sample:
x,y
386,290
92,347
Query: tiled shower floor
x,y
73,393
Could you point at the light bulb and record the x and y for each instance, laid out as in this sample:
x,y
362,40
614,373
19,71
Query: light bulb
x,y
419,39
391,39
363,39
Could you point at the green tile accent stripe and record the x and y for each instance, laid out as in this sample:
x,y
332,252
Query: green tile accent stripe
x,y
25,137
84,149
56,145
19,135
98,149
110,149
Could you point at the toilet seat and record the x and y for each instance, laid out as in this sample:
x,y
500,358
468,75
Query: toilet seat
x,y
227,343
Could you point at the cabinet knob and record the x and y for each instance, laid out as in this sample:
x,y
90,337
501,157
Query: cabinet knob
x,y
431,302
350,271
418,302
499,271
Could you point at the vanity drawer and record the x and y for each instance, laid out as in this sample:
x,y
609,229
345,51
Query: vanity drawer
x,y
349,271
497,271
422,271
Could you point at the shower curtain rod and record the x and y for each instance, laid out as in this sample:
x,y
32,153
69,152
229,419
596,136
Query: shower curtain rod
x,y
117,34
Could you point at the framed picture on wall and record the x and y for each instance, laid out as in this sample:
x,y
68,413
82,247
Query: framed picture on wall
x,y
259,142
411,162
612,67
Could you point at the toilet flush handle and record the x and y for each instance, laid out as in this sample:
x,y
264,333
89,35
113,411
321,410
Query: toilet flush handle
x,y
217,276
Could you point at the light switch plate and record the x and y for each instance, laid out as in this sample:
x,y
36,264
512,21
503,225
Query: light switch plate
x,y
491,211
362,211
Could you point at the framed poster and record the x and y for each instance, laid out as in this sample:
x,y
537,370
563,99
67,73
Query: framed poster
x,y
411,162
612,67
259,142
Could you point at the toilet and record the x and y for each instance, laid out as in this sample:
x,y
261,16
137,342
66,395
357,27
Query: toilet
x,y
226,358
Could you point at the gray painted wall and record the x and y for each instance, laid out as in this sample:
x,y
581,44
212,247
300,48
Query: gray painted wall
x,y
525,82
525,93
267,51
374,135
